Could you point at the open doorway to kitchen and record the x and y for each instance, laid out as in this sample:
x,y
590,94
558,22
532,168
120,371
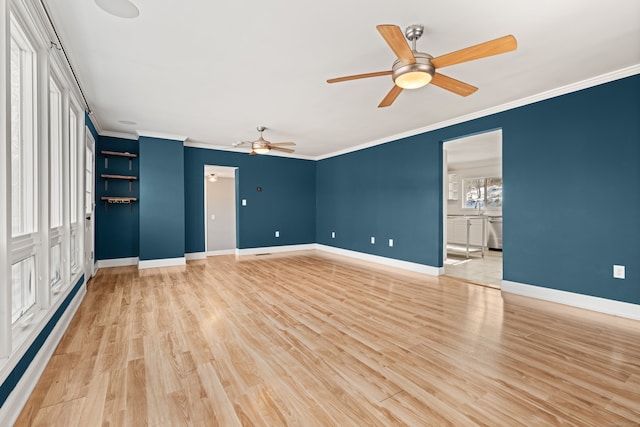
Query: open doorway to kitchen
x,y
220,210
473,208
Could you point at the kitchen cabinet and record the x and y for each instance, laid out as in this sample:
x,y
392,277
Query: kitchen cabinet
x,y
467,234
452,184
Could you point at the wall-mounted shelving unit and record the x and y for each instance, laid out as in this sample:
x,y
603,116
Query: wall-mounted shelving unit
x,y
119,198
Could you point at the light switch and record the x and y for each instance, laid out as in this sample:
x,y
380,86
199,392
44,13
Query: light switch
x,y
391,243
333,234
373,240
244,202
213,216
277,234
618,271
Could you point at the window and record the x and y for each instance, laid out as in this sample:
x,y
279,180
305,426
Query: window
x,y
482,193
73,166
73,188
23,287
88,185
55,264
24,173
55,154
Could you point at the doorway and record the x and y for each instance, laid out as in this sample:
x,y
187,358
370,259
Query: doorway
x,y
472,209
89,206
220,210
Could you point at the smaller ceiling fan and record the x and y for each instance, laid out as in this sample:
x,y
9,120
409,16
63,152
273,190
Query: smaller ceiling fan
x,y
262,146
415,69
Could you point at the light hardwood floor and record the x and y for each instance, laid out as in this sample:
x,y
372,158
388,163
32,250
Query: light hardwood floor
x,y
310,339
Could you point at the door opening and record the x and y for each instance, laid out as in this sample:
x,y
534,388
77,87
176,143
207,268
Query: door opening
x,y
89,206
220,210
472,209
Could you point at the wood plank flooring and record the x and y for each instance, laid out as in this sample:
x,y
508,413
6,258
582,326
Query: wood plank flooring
x,y
310,339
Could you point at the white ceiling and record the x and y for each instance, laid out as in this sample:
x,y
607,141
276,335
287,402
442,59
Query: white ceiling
x,y
214,70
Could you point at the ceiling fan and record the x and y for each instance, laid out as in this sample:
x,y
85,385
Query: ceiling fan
x,y
262,146
415,69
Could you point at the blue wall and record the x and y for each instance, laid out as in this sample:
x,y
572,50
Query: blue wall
x,y
387,191
287,202
162,202
116,224
571,182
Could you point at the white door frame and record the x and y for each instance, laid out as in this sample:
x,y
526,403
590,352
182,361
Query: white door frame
x,y
89,214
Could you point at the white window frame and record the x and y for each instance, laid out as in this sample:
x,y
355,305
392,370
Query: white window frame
x,y
27,244
76,146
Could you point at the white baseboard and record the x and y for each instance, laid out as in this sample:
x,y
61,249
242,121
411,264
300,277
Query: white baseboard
x,y
275,249
404,265
166,262
12,407
195,255
117,262
221,252
602,305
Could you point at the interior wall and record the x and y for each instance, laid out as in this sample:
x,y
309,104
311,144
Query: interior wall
x,y
286,202
572,199
162,202
221,214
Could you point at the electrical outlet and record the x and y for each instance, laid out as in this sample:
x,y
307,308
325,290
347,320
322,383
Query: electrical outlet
x,y
244,202
213,216
618,271
277,234
333,234
373,240
390,243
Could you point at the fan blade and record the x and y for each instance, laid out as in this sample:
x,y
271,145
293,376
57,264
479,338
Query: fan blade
x,y
281,144
391,96
453,85
482,50
286,150
392,34
360,76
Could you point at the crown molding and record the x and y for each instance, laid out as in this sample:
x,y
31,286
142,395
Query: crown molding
x,y
121,135
161,135
563,90
195,144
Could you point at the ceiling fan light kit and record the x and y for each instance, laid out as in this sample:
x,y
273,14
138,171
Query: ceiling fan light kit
x,y
413,69
262,146
416,75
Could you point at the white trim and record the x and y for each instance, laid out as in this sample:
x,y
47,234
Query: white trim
x,y
404,265
195,255
563,90
602,305
221,252
116,262
244,150
161,135
195,144
275,249
12,407
121,135
95,122
166,262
